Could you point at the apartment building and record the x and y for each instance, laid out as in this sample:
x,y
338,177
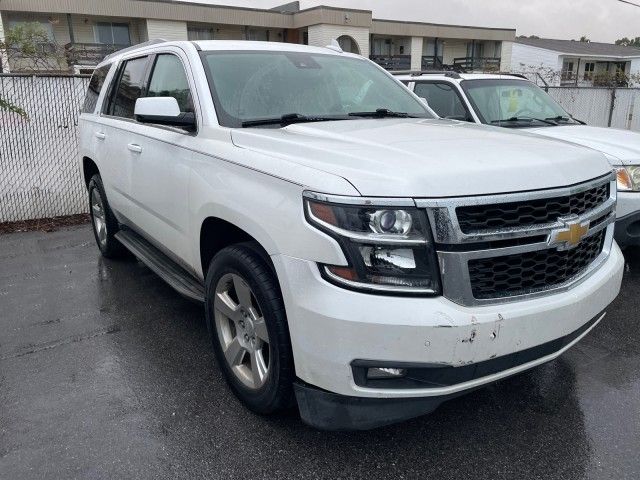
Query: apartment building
x,y
87,30
582,64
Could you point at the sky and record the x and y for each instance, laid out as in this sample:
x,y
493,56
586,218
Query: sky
x,y
599,20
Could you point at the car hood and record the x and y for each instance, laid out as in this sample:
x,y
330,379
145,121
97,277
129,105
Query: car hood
x,y
621,144
426,158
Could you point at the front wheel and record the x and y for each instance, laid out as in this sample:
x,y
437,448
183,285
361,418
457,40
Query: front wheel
x,y
248,327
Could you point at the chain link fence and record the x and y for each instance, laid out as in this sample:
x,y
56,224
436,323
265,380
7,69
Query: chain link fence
x,y
601,106
39,175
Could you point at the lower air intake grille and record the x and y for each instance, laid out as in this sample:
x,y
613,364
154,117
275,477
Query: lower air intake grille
x,y
530,272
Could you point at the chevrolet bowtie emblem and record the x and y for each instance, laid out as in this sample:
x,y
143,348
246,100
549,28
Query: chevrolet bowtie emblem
x,y
570,235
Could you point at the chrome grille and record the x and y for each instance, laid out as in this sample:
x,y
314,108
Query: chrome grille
x,y
476,218
502,248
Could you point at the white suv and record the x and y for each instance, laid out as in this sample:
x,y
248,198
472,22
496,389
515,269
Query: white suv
x,y
353,253
512,101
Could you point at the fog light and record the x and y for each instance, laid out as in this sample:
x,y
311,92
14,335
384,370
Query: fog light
x,y
380,372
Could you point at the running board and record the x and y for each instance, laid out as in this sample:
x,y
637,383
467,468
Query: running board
x,y
172,273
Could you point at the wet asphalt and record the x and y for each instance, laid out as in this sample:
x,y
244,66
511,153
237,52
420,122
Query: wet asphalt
x,y
106,373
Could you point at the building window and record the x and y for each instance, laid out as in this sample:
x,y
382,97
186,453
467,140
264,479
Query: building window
x,y
47,28
257,35
381,46
429,48
200,33
589,69
475,50
568,72
111,33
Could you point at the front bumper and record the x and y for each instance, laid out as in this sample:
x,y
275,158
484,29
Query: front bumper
x,y
627,229
331,327
330,411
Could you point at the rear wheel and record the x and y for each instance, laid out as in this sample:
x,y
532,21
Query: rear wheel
x,y
247,322
104,222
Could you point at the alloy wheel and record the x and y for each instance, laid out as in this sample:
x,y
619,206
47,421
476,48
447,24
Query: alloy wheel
x,y
242,331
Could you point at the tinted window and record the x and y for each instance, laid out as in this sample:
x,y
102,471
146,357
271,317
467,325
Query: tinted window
x,y
443,99
170,80
259,85
129,88
95,85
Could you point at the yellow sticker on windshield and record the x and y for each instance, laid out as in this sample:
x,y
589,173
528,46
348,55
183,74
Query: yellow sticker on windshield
x,y
513,101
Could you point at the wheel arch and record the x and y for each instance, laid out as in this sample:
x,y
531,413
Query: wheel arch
x,y
217,233
89,169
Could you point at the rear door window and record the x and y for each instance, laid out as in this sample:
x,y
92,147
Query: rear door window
x,y
95,86
129,88
443,99
169,79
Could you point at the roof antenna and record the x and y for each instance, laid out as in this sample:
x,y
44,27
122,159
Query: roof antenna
x,y
335,46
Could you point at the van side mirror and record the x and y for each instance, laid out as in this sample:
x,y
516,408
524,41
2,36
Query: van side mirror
x,y
163,111
424,100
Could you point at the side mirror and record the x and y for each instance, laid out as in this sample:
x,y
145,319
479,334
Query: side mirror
x,y
163,111
424,100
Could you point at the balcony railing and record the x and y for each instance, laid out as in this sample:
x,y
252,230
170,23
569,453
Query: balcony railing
x,y
431,62
393,62
477,64
89,53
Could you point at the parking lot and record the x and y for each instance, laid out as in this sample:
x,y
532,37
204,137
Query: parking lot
x,y
105,372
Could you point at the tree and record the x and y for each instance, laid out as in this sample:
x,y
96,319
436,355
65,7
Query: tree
x,y
28,45
584,39
626,42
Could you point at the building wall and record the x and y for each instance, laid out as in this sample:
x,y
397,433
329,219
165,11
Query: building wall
x,y
506,58
525,57
322,35
167,29
416,53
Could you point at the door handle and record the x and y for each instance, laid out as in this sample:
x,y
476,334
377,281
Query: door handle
x,y
100,136
134,147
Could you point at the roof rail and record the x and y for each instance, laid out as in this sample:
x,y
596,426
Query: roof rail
x,y
418,73
155,41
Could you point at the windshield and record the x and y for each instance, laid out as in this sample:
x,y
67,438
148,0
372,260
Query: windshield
x,y
514,103
254,85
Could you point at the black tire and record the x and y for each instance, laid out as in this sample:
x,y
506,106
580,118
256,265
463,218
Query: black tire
x,y
246,261
110,247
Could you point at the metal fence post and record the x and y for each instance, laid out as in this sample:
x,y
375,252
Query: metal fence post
x,y
613,106
632,109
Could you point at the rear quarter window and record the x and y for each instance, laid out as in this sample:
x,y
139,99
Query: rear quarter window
x,y
95,87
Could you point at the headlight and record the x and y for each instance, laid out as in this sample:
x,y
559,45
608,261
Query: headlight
x,y
628,178
389,248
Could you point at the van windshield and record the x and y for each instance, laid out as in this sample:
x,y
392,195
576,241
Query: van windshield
x,y
514,103
251,86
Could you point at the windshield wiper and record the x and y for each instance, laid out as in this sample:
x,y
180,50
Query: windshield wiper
x,y
382,113
561,118
525,119
289,119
